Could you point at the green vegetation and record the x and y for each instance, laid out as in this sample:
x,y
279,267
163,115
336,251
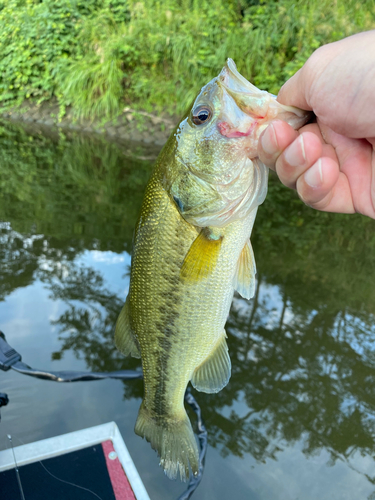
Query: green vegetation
x,y
100,55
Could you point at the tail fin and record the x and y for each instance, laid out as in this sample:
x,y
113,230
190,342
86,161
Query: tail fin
x,y
174,442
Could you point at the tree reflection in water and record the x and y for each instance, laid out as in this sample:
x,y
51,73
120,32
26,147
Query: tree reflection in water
x,y
302,350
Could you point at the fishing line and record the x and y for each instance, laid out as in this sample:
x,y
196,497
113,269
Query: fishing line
x,y
68,482
16,468
202,437
52,475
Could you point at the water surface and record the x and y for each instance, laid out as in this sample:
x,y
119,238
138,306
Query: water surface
x,y
296,420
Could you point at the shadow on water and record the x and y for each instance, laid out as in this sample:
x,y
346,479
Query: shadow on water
x,y
302,351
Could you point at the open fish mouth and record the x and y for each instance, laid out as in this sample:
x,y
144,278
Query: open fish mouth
x,y
246,106
258,104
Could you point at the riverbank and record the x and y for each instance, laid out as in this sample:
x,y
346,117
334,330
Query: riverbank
x,y
130,125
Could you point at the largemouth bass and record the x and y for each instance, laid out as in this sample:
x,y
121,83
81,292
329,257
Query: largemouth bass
x,y
191,251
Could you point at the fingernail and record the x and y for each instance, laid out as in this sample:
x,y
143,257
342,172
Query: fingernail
x,y
295,153
269,141
314,175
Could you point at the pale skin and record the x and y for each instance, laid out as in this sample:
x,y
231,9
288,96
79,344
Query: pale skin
x,y
331,163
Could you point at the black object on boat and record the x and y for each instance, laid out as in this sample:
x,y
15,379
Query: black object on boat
x,y
11,359
4,400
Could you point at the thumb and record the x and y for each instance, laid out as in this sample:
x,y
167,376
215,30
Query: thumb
x,y
293,92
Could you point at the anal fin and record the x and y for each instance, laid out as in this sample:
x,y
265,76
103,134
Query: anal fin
x,y
214,373
202,256
124,338
244,279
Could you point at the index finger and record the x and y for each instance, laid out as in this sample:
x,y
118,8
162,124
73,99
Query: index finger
x,y
273,140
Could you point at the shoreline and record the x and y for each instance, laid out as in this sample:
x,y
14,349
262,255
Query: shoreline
x,y
130,126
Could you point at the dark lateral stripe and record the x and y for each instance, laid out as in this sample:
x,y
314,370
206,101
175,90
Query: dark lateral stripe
x,y
170,299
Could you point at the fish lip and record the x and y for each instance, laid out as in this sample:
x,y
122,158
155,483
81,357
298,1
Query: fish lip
x,y
237,87
233,82
231,79
234,85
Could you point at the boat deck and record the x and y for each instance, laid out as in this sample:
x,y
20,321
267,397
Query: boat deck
x,y
87,464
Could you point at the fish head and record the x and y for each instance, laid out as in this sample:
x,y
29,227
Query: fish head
x,y
217,144
204,144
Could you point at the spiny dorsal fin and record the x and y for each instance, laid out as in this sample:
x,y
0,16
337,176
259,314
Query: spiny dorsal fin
x,y
202,257
244,279
214,373
124,338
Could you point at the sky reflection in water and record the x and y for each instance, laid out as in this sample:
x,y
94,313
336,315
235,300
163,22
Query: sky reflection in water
x,y
297,418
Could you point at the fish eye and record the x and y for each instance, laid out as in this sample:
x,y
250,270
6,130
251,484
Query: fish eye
x,y
201,114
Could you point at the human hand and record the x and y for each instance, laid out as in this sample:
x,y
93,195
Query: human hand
x,y
331,163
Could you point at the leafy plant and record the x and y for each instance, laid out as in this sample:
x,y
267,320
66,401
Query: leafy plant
x,y
101,55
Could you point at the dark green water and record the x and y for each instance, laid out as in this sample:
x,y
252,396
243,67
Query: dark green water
x,y
296,421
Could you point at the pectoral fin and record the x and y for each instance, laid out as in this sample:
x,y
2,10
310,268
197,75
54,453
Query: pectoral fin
x,y
244,279
124,338
202,256
214,373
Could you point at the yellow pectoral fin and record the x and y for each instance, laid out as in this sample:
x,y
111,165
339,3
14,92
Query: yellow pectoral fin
x,y
244,279
202,256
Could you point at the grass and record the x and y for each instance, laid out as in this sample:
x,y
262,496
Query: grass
x,y
155,55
